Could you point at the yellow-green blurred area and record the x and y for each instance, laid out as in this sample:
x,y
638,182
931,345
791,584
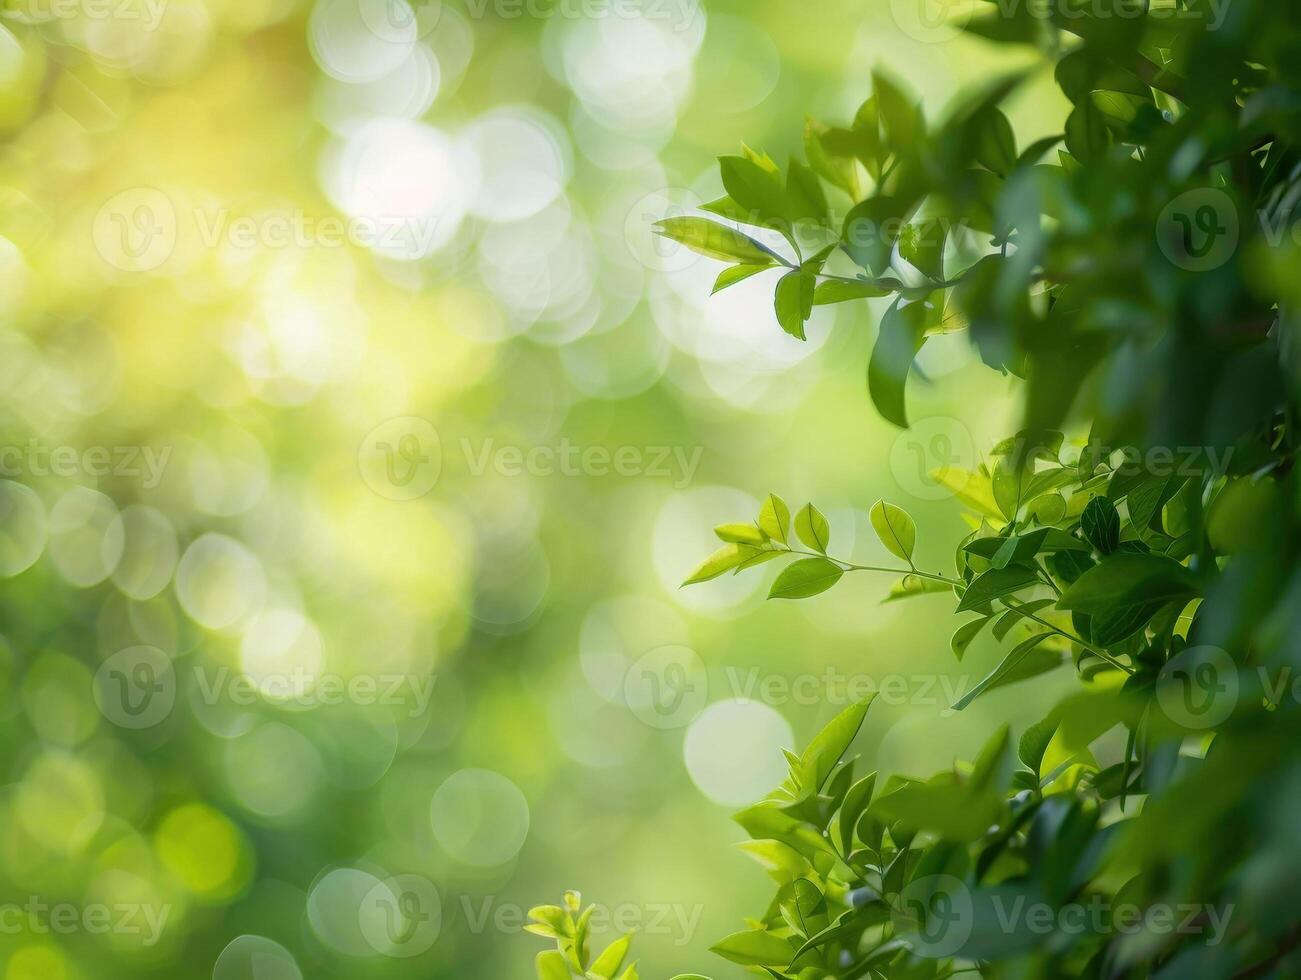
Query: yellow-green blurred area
x,y
357,434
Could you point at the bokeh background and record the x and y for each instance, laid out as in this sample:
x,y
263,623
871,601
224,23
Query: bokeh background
x,y
356,434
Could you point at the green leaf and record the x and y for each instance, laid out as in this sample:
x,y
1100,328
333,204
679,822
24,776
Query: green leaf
x,y
900,115
834,291
895,529
1125,581
806,909
805,578
715,241
1009,484
854,806
813,529
738,273
609,962
1087,136
965,634
755,948
996,583
552,966
775,518
756,190
1034,742
830,745
794,301
550,921
1015,614
740,534
1100,524
915,585
922,245
1047,508
804,194
723,560
996,143
902,333
1017,665
836,170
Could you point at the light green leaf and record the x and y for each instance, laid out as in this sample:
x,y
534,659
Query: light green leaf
x,y
794,301
740,534
550,921
551,966
715,241
1009,483
834,291
915,585
830,745
723,560
775,518
738,273
755,948
895,529
805,578
609,962
812,528
1047,508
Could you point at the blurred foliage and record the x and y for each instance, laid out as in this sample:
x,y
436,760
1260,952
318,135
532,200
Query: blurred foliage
x,y
1140,286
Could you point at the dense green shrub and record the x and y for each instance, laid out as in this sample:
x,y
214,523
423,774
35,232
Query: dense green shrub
x,y
1140,273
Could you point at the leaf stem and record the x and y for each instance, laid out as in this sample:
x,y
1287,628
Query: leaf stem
x,y
851,567
1070,636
